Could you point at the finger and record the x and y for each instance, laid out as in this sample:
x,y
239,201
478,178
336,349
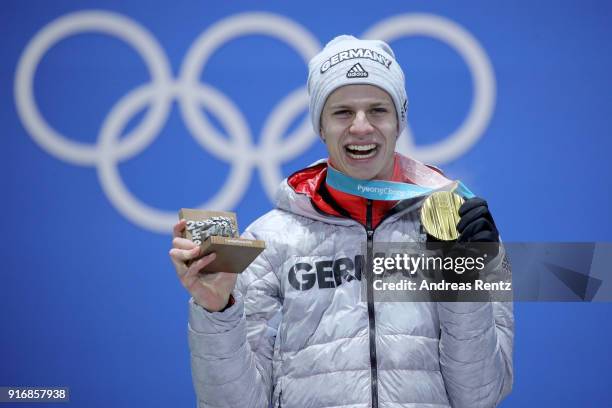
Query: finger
x,y
179,265
183,243
192,274
201,264
177,230
485,236
471,216
470,204
184,255
481,224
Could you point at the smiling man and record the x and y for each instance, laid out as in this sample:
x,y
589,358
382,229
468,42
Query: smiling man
x,y
360,128
293,330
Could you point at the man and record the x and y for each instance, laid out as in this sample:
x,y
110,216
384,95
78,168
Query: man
x,y
293,330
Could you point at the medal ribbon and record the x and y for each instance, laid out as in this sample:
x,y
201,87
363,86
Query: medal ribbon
x,y
392,190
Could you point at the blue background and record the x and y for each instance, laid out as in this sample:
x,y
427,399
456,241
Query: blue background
x,y
90,300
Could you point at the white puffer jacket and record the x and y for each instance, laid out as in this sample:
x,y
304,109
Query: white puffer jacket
x,y
300,335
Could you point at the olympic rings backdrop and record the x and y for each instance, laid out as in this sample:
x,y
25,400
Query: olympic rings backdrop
x,y
117,114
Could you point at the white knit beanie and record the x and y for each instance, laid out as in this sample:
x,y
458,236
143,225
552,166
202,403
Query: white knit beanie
x,y
347,60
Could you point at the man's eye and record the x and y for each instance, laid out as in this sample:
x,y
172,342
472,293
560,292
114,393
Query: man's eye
x,y
379,110
342,112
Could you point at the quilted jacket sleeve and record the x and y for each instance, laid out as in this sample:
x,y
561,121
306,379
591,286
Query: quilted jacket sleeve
x,y
476,345
232,351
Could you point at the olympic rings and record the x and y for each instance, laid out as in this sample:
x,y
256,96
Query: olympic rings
x,y
237,149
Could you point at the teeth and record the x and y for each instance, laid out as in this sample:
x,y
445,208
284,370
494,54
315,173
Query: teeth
x,y
362,156
359,151
361,147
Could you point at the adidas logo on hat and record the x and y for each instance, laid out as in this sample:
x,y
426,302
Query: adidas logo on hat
x,y
357,71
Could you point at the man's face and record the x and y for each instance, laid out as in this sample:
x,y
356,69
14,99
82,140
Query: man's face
x,y
359,126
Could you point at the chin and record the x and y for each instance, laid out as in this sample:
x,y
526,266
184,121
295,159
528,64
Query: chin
x,y
362,174
364,169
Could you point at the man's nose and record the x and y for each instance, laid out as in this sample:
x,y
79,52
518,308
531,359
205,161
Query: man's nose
x,y
361,125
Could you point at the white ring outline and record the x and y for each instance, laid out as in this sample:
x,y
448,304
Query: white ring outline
x,y
207,43
298,141
483,78
228,29
117,26
191,94
112,183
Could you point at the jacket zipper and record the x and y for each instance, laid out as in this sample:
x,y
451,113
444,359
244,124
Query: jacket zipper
x,y
370,289
370,298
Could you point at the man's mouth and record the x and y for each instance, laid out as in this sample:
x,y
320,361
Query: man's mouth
x,y
355,151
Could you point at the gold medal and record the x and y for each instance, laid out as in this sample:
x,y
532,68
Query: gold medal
x,y
440,215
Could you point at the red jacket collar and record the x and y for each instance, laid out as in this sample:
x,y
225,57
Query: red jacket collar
x,y
310,180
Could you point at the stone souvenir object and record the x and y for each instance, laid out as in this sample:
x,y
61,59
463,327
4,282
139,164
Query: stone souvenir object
x,y
217,231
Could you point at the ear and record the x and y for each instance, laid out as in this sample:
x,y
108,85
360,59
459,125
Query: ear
x,y
322,133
